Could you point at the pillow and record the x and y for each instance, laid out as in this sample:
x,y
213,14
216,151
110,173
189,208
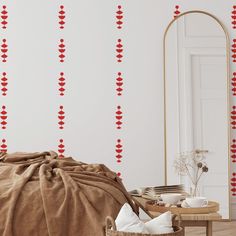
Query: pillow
x,y
161,224
128,221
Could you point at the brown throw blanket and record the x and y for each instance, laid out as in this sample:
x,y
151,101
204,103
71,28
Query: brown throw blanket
x,y
43,195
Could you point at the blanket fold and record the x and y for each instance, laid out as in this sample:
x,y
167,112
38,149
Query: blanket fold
x,y
43,195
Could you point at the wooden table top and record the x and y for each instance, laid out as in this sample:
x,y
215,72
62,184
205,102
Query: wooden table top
x,y
188,217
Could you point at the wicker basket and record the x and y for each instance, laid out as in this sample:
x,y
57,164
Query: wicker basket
x,y
112,231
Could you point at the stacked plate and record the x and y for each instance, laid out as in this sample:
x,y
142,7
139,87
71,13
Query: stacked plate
x,y
154,193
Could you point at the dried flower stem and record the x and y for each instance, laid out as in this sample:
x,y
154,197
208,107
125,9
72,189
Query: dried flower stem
x,y
188,173
191,161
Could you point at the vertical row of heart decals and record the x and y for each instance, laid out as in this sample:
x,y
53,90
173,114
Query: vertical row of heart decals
x,y
177,11
233,17
4,83
3,78
233,111
119,50
233,117
61,148
3,115
233,83
119,150
61,117
119,21
119,84
62,50
233,159
233,184
4,50
61,83
61,17
4,16
233,150
233,50
119,116
119,17
61,79
3,146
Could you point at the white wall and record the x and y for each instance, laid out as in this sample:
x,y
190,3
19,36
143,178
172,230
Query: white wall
x,y
90,69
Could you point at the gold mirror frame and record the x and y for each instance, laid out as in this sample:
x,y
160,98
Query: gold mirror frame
x,y
228,89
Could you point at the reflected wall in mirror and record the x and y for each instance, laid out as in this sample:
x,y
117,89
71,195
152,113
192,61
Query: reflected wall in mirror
x,y
196,64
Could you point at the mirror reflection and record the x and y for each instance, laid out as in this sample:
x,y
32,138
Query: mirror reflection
x,y
196,106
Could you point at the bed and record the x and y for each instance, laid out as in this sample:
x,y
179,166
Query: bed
x,y
42,194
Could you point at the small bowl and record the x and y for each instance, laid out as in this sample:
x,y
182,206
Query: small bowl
x,y
171,198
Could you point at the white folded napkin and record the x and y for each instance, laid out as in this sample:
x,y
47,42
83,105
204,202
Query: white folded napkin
x,y
128,221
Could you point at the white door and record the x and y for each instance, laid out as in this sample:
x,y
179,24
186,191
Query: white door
x,y
209,117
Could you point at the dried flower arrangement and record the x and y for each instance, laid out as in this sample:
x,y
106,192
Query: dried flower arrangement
x,y
193,165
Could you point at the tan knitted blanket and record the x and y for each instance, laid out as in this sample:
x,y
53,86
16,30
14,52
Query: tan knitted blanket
x,y
42,195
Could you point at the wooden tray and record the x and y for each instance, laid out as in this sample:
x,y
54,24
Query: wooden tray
x,y
212,207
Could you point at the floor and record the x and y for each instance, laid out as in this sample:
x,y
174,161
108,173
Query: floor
x,y
219,229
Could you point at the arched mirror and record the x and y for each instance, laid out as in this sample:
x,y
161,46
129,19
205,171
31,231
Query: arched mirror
x,y
196,71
